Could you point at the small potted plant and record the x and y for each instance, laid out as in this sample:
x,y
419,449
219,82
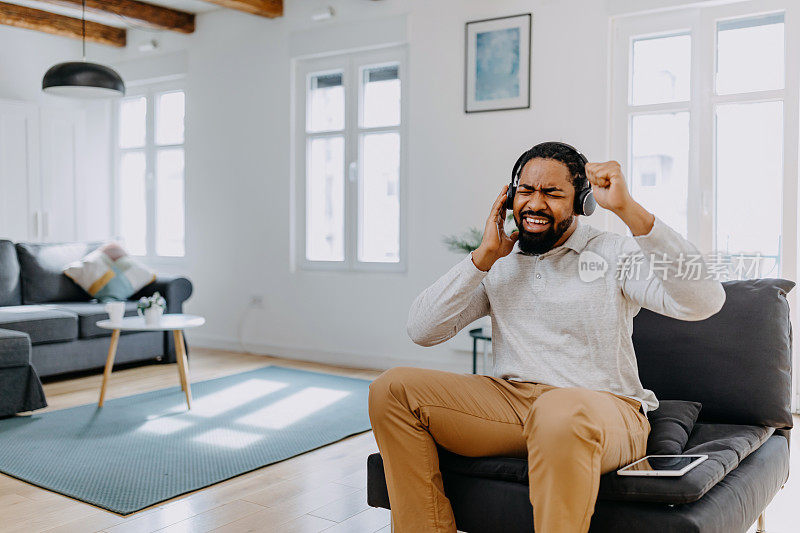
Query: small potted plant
x,y
471,239
151,308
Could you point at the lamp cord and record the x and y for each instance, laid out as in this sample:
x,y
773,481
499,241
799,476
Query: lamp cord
x,y
83,26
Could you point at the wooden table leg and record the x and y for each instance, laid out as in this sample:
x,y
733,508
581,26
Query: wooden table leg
x,y
112,351
183,365
178,356
179,347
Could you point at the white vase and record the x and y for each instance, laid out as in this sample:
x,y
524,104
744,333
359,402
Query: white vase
x,y
152,315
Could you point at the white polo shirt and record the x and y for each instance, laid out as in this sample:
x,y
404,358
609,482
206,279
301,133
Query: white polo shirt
x,y
553,323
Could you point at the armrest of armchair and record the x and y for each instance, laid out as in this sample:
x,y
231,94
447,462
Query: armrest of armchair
x,y
174,289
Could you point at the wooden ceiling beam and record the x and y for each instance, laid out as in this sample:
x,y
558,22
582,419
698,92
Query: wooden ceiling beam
x,y
163,18
264,8
47,22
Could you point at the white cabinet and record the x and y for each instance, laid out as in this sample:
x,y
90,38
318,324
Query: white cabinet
x,y
39,165
62,133
19,170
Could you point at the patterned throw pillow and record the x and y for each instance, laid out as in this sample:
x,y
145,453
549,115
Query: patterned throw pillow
x,y
109,273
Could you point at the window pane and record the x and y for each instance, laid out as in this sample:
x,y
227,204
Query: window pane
x,y
132,120
661,69
379,201
750,54
169,202
169,118
660,165
325,200
749,183
381,96
133,204
325,102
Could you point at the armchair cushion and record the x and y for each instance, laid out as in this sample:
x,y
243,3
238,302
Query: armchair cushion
x,y
673,431
495,506
670,426
725,444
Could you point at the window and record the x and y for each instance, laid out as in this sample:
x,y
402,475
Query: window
x,y
699,114
150,202
710,92
349,143
749,137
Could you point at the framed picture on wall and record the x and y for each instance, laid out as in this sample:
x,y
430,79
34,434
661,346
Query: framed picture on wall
x,y
498,57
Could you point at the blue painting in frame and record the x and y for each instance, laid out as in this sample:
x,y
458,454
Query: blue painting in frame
x,y
497,73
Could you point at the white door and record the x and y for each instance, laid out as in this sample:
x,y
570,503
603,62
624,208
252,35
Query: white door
x,y
19,159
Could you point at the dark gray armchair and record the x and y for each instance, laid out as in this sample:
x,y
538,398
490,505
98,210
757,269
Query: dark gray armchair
x,y
736,365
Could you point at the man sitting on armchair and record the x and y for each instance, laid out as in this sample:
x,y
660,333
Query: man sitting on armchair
x,y
565,390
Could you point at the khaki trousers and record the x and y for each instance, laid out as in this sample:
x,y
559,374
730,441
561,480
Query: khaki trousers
x,y
570,437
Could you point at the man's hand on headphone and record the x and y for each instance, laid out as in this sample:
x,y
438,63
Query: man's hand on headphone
x,y
608,185
496,243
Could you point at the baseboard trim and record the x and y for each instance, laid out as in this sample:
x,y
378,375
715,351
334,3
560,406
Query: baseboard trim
x,y
455,363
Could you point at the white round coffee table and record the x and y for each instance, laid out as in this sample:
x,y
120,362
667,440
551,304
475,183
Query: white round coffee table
x,y
171,322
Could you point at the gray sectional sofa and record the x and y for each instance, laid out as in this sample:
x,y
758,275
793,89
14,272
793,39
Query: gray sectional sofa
x,y
47,322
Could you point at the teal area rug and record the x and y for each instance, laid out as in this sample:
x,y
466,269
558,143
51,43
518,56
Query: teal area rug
x,y
140,450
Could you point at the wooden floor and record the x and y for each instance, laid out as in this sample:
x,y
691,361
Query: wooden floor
x,y
319,490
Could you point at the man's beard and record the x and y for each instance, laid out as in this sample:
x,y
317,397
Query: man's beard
x,y
539,243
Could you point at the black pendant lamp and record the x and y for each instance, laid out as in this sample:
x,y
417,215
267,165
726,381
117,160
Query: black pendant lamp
x,y
82,79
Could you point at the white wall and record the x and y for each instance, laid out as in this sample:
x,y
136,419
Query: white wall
x,y
25,56
237,70
238,184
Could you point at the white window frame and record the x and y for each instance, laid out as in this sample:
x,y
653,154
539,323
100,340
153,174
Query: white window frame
x,y
701,23
350,64
150,91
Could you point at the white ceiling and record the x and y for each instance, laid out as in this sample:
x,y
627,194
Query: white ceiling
x,y
191,6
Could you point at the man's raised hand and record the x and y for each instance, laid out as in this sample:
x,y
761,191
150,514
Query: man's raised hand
x,y
608,185
610,191
496,243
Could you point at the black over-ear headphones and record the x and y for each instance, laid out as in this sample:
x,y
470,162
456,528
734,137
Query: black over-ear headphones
x,y
585,203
